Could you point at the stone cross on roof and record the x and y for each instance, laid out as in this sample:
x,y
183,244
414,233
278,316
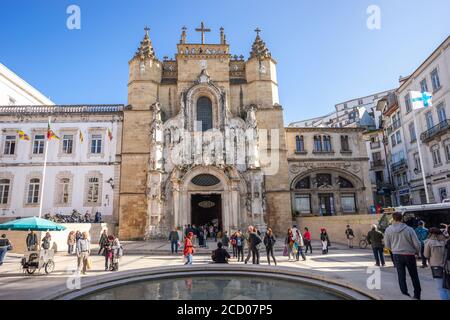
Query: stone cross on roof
x,y
202,29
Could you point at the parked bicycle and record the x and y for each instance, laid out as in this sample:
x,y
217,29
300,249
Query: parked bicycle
x,y
363,242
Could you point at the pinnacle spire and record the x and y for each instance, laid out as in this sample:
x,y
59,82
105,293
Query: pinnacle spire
x,y
145,49
259,49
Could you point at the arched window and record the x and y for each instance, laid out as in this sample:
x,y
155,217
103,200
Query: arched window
x,y
345,184
317,143
327,144
305,183
299,144
204,114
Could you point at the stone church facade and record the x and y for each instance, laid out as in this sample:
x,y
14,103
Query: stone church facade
x,y
203,140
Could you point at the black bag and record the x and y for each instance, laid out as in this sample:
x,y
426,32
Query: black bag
x,y
437,272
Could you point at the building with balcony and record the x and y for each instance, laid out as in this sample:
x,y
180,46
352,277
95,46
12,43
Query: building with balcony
x,y
433,127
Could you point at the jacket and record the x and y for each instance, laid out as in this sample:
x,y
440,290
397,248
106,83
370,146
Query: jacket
x,y
46,243
375,238
225,240
422,234
307,236
269,241
401,239
31,240
220,256
103,239
349,233
188,247
83,245
254,239
173,236
300,239
435,251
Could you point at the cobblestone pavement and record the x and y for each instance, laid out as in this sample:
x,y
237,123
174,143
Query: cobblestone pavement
x,y
348,266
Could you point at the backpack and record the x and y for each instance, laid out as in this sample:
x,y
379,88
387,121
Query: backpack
x,y
256,240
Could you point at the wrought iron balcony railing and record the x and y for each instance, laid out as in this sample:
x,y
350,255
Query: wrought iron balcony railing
x,y
399,165
377,163
435,131
375,145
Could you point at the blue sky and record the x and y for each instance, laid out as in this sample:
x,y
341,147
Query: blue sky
x,y
325,52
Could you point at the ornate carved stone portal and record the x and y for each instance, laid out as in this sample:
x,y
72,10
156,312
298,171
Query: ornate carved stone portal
x,y
186,160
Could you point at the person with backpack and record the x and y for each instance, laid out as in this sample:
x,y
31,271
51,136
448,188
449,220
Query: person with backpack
x,y
46,241
233,244
269,242
422,234
31,241
350,236
375,239
402,240
435,252
240,242
5,246
325,240
255,241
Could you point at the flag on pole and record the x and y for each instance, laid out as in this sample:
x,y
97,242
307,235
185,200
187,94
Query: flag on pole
x,y
420,100
50,134
110,136
81,137
23,135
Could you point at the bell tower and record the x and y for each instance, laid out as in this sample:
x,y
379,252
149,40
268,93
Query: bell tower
x,y
262,91
143,88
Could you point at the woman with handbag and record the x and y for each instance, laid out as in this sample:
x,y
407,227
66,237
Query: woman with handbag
x,y
435,251
5,246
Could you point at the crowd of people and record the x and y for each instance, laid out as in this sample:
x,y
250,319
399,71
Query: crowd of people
x,y
78,243
296,244
402,242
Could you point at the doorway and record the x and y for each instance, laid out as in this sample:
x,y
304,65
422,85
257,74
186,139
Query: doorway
x,y
326,204
206,209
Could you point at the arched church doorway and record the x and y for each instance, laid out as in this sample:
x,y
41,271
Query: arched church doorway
x,y
206,209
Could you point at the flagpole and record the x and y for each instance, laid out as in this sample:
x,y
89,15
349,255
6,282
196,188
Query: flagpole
x,y
420,157
43,173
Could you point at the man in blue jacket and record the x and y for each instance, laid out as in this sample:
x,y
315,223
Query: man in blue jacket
x,y
422,234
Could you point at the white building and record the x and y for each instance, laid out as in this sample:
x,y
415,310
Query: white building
x,y
433,127
359,112
15,91
83,166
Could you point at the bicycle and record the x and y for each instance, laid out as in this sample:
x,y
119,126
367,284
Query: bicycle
x,y
363,243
